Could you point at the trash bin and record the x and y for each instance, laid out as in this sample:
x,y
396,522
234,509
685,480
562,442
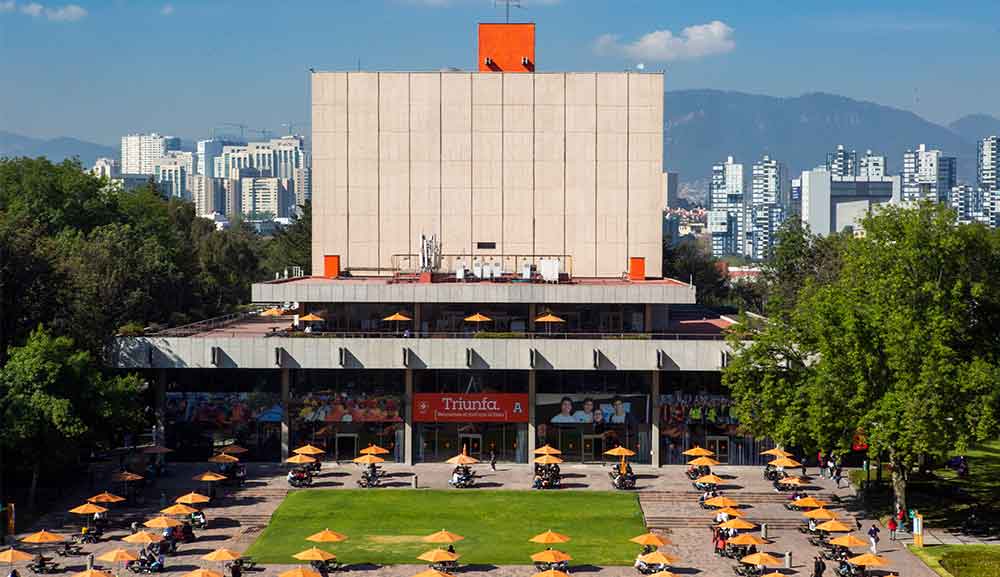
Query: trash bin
x,y
788,559
763,530
414,481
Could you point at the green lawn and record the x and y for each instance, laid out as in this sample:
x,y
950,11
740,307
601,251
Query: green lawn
x,y
385,527
962,560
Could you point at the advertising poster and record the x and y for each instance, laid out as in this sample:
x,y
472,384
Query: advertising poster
x,y
471,408
223,410
592,409
344,407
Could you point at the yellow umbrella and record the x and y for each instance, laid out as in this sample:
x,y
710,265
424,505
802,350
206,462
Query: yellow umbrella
x,y
477,318
658,558
747,539
118,556
161,522
126,476
794,481
848,541
106,497
709,480
703,462
549,318
142,538
11,556
88,509
91,573
300,459
761,559
178,509
192,499
397,317
776,452
203,573
209,476
308,450
309,318
222,555
651,540
437,556
809,503
721,501
234,450
548,460
868,560
731,511
698,452
443,536
774,574
834,527
314,554
549,537
462,459
737,524
785,462
326,536
374,450
272,313
297,572
551,573
42,536
432,573
223,458
547,450
820,513
663,574
550,556
369,459
620,452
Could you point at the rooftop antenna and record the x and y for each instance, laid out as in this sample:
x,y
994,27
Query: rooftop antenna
x,y
507,4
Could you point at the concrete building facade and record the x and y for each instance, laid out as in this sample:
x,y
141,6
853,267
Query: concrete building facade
x,y
139,152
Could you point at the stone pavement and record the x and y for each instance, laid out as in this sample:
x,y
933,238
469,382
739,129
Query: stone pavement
x,y
668,500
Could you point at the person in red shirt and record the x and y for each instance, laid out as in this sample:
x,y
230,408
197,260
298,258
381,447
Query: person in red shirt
x,y
892,526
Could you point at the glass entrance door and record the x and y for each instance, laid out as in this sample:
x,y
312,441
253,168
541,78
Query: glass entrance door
x,y
720,446
593,448
472,444
347,446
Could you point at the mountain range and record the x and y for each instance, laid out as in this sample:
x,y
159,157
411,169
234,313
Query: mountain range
x,y
56,149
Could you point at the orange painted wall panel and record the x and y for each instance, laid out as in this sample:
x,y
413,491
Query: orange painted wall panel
x,y
506,46
637,268
331,265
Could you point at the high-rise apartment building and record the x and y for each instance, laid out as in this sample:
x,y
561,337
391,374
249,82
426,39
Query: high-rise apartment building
x,y
172,170
727,208
766,210
832,204
970,204
842,162
209,194
670,186
208,150
266,195
283,157
927,175
871,166
988,163
141,151
106,168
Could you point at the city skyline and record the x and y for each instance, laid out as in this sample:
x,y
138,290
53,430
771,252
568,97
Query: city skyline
x,y
109,55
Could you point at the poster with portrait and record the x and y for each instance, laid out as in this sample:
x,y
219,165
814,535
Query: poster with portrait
x,y
223,410
598,410
346,407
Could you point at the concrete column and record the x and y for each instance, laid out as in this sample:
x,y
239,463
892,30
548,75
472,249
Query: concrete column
x,y
417,318
654,425
531,413
408,451
286,379
532,313
647,319
160,407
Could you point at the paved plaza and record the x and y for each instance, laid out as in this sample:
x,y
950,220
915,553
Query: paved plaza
x,y
668,501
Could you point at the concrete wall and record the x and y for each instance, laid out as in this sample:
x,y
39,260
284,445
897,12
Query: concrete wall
x,y
387,353
553,163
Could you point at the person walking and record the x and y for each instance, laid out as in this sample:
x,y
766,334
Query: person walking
x,y
819,566
892,526
493,459
819,462
873,538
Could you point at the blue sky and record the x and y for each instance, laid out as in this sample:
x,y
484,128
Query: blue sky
x,y
95,70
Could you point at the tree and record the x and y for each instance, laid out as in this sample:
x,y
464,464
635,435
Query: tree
x,y
798,256
292,245
689,261
900,344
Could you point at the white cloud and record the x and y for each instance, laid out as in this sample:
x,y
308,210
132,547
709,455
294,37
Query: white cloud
x,y
167,9
32,9
694,42
64,13
8,6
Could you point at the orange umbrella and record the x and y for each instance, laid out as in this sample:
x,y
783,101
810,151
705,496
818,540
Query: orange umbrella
x,y
663,574
311,318
551,573
550,556
209,476
848,541
834,527
314,554
658,558
721,501
709,480
300,459
118,556
698,452
437,556
703,462
549,318
91,573
462,459
106,497
205,573
397,317
272,313
761,559
432,573
548,460
369,459
326,536
142,538
794,481
737,524
477,318
222,555
374,450
308,450
192,499
126,476
650,540
549,537
161,522
223,458
87,509
785,462
178,509
809,503
868,560
297,572
747,539
620,452
820,513
234,450
11,556
443,536
547,450
776,452
42,536
731,511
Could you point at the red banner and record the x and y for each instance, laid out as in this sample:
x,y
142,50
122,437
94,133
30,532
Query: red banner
x,y
477,408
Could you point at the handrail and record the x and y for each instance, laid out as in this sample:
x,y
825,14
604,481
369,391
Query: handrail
x,y
209,324
493,335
